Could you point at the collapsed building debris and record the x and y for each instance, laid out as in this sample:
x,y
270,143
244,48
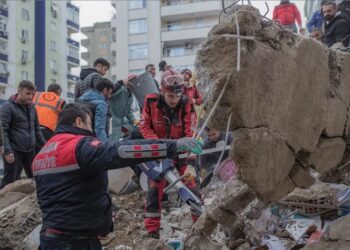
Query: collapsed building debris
x,y
289,100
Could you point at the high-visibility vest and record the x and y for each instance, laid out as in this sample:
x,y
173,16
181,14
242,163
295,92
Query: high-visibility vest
x,y
48,105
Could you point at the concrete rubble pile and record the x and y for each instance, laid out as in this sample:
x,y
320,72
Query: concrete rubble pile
x,y
289,98
19,213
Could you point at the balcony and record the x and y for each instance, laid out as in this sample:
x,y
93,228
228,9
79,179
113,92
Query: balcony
x,y
186,33
75,62
3,79
3,56
72,26
73,42
72,7
72,78
4,12
190,9
3,34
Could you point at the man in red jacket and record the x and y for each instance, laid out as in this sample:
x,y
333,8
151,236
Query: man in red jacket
x,y
169,115
286,13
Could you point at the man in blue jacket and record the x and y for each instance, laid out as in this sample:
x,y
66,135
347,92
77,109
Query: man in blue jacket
x,y
317,18
71,179
98,98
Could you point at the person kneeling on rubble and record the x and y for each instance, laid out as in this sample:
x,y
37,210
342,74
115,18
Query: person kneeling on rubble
x,y
169,115
71,178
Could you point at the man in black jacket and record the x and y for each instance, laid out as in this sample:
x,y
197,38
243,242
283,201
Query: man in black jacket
x,y
337,25
71,178
90,76
21,133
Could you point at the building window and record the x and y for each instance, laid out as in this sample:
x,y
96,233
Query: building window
x,y
136,4
25,15
136,71
73,16
73,51
54,10
53,27
102,32
3,24
53,66
138,51
24,58
173,26
199,22
24,35
138,26
3,69
175,51
102,45
24,75
53,45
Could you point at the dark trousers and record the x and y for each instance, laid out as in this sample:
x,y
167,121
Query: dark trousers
x,y
47,243
12,172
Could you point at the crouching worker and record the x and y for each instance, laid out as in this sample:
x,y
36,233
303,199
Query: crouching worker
x,y
71,178
169,115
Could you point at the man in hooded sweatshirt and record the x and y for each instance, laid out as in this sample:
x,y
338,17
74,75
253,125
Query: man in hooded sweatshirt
x,y
96,99
90,76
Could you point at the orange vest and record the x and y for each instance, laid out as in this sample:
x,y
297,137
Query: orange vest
x,y
48,105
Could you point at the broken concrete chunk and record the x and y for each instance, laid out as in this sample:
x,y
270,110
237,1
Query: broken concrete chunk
x,y
301,177
328,154
205,224
339,230
264,161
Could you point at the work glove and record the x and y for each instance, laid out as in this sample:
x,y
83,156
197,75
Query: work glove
x,y
189,144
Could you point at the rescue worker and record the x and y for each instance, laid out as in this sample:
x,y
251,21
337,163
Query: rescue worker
x,y
168,115
190,89
48,105
71,179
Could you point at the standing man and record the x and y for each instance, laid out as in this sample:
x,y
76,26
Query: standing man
x,y
21,133
169,115
90,76
152,69
337,25
286,13
98,98
48,105
72,184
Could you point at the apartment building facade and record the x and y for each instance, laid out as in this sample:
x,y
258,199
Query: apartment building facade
x,y
98,44
151,31
35,45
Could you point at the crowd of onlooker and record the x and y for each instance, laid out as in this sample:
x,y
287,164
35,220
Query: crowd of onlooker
x,y
330,24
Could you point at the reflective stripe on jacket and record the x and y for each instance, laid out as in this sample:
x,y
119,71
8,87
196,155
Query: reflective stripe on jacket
x,y
48,105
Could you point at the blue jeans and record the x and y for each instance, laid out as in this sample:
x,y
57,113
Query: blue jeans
x,y
47,243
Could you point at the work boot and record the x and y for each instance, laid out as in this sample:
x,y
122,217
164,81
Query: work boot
x,y
154,235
